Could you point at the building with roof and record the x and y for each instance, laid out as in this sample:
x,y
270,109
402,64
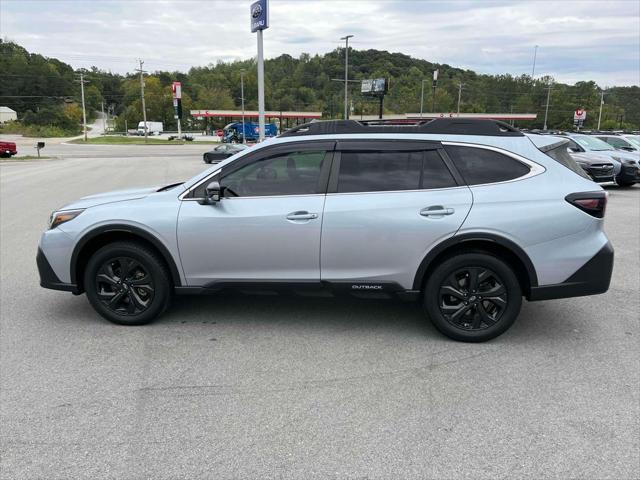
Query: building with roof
x,y
7,114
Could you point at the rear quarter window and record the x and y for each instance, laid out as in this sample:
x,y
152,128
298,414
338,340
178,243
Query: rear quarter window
x,y
560,154
479,165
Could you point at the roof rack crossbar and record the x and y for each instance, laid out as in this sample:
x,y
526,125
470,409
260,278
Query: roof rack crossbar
x,y
441,126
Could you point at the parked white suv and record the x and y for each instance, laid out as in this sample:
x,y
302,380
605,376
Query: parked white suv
x,y
467,216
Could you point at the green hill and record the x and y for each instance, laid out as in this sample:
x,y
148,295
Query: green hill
x,y
44,91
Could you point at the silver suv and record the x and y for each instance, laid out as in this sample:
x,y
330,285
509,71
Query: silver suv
x,y
466,216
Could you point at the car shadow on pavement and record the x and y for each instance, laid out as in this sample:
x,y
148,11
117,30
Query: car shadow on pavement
x,y
342,312
537,321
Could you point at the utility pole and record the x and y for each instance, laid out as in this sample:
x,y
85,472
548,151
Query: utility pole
x,y
601,104
435,83
346,75
546,110
84,111
144,108
242,100
104,121
459,96
535,53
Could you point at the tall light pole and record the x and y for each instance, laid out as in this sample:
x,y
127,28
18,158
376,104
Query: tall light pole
x,y
435,83
144,107
459,96
546,110
535,53
422,96
601,104
346,75
259,22
242,100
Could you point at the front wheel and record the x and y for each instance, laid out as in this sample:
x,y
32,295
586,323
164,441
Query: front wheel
x,y
472,297
624,184
127,283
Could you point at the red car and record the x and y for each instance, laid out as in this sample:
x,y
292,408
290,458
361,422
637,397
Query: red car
x,y
7,149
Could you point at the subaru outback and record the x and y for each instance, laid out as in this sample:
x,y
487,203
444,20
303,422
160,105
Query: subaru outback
x,y
466,216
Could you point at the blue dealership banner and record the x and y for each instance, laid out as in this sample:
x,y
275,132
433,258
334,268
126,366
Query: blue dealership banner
x,y
259,15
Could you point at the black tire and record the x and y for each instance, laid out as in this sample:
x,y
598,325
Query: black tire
x,y
625,184
142,294
207,159
487,312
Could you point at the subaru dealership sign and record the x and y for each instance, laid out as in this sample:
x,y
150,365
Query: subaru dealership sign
x,y
259,15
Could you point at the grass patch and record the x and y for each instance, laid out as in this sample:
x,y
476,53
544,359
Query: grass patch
x,y
115,140
37,131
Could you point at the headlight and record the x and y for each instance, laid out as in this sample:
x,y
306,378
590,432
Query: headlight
x,y
628,161
58,218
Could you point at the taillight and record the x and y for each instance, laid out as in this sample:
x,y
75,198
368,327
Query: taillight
x,y
593,203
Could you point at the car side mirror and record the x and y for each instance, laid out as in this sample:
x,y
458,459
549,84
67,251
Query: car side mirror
x,y
212,193
572,149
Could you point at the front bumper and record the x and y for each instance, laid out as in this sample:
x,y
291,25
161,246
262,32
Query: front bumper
x,y
628,173
600,173
49,279
592,278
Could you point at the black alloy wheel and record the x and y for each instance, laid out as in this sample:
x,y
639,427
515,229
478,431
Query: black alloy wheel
x,y
124,286
472,296
128,283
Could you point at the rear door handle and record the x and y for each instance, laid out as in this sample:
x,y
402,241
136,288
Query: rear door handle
x,y
436,211
302,215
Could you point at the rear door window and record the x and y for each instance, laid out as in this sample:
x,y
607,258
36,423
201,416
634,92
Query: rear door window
x,y
478,165
388,170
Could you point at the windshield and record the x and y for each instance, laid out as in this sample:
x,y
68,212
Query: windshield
x,y
633,139
591,144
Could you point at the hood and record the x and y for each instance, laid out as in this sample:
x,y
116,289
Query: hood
x,y
615,155
110,197
591,158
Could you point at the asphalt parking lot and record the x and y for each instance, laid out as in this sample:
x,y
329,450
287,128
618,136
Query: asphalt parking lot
x,y
235,386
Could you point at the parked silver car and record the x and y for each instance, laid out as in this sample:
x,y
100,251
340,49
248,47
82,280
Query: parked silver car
x,y
626,142
467,216
626,166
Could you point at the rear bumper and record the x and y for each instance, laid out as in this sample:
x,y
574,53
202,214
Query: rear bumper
x,y
592,278
49,279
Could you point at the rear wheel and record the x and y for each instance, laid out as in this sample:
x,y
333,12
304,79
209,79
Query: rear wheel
x,y
472,297
127,283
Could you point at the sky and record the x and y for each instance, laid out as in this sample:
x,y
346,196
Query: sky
x,y
577,40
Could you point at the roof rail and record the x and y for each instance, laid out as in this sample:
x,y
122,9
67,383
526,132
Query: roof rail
x,y
441,126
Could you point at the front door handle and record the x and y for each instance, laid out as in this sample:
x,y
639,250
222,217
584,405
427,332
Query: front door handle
x,y
302,215
436,211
